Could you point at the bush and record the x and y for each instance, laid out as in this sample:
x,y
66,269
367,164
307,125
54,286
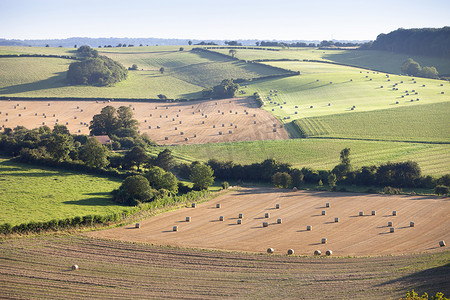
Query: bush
x,y
391,190
225,185
282,180
441,190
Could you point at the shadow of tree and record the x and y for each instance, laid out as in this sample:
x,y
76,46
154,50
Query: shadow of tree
x,y
54,82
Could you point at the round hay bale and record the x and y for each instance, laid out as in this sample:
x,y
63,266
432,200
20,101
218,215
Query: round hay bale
x,y
194,205
390,224
324,212
75,267
220,133
277,206
394,213
296,112
265,224
254,115
241,216
230,131
175,228
188,219
186,139
309,228
294,189
373,213
239,221
329,252
324,240
411,224
166,138
290,251
361,213
442,243
235,126
336,220
181,133
392,229
317,252
138,225
195,135
279,221
221,218
254,122
266,215
176,128
270,250
218,205
327,204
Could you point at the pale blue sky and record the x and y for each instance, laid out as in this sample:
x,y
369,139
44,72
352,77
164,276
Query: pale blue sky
x,y
225,19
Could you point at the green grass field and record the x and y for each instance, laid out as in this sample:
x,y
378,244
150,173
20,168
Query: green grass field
x,y
30,193
322,154
378,60
186,73
425,123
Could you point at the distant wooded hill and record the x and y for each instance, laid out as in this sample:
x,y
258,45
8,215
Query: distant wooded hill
x,y
419,41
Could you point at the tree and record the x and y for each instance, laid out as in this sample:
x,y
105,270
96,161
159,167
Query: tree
x,y
96,71
160,179
162,97
232,52
181,49
161,70
201,176
164,160
429,72
281,180
190,43
297,177
125,118
59,146
134,189
104,123
332,181
441,190
135,157
134,67
94,154
61,129
226,89
342,169
411,67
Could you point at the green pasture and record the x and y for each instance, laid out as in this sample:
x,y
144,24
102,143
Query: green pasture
x,y
373,59
425,123
322,154
30,193
332,89
186,73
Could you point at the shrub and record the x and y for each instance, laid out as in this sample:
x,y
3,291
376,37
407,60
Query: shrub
x,y
225,185
281,180
391,190
441,190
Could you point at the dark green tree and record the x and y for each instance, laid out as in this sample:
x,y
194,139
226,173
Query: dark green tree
x,y
161,70
332,181
94,154
342,169
134,190
59,146
232,52
135,157
297,177
125,118
104,123
201,176
160,179
281,180
411,67
61,129
165,159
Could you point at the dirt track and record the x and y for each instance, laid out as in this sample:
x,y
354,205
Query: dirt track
x,y
352,235
242,116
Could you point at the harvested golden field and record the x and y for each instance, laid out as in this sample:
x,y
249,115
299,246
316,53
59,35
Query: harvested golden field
x,y
195,122
352,235
40,268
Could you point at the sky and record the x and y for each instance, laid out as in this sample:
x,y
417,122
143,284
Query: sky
x,y
220,20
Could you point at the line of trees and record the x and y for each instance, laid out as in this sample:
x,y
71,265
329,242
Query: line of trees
x,y
396,175
419,41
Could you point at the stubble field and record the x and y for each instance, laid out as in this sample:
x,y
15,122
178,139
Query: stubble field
x,y
351,235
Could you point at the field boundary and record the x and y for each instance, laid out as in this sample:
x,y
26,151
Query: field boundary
x,y
40,55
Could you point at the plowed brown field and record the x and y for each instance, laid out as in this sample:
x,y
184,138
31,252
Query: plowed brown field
x,y
40,268
351,235
180,123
